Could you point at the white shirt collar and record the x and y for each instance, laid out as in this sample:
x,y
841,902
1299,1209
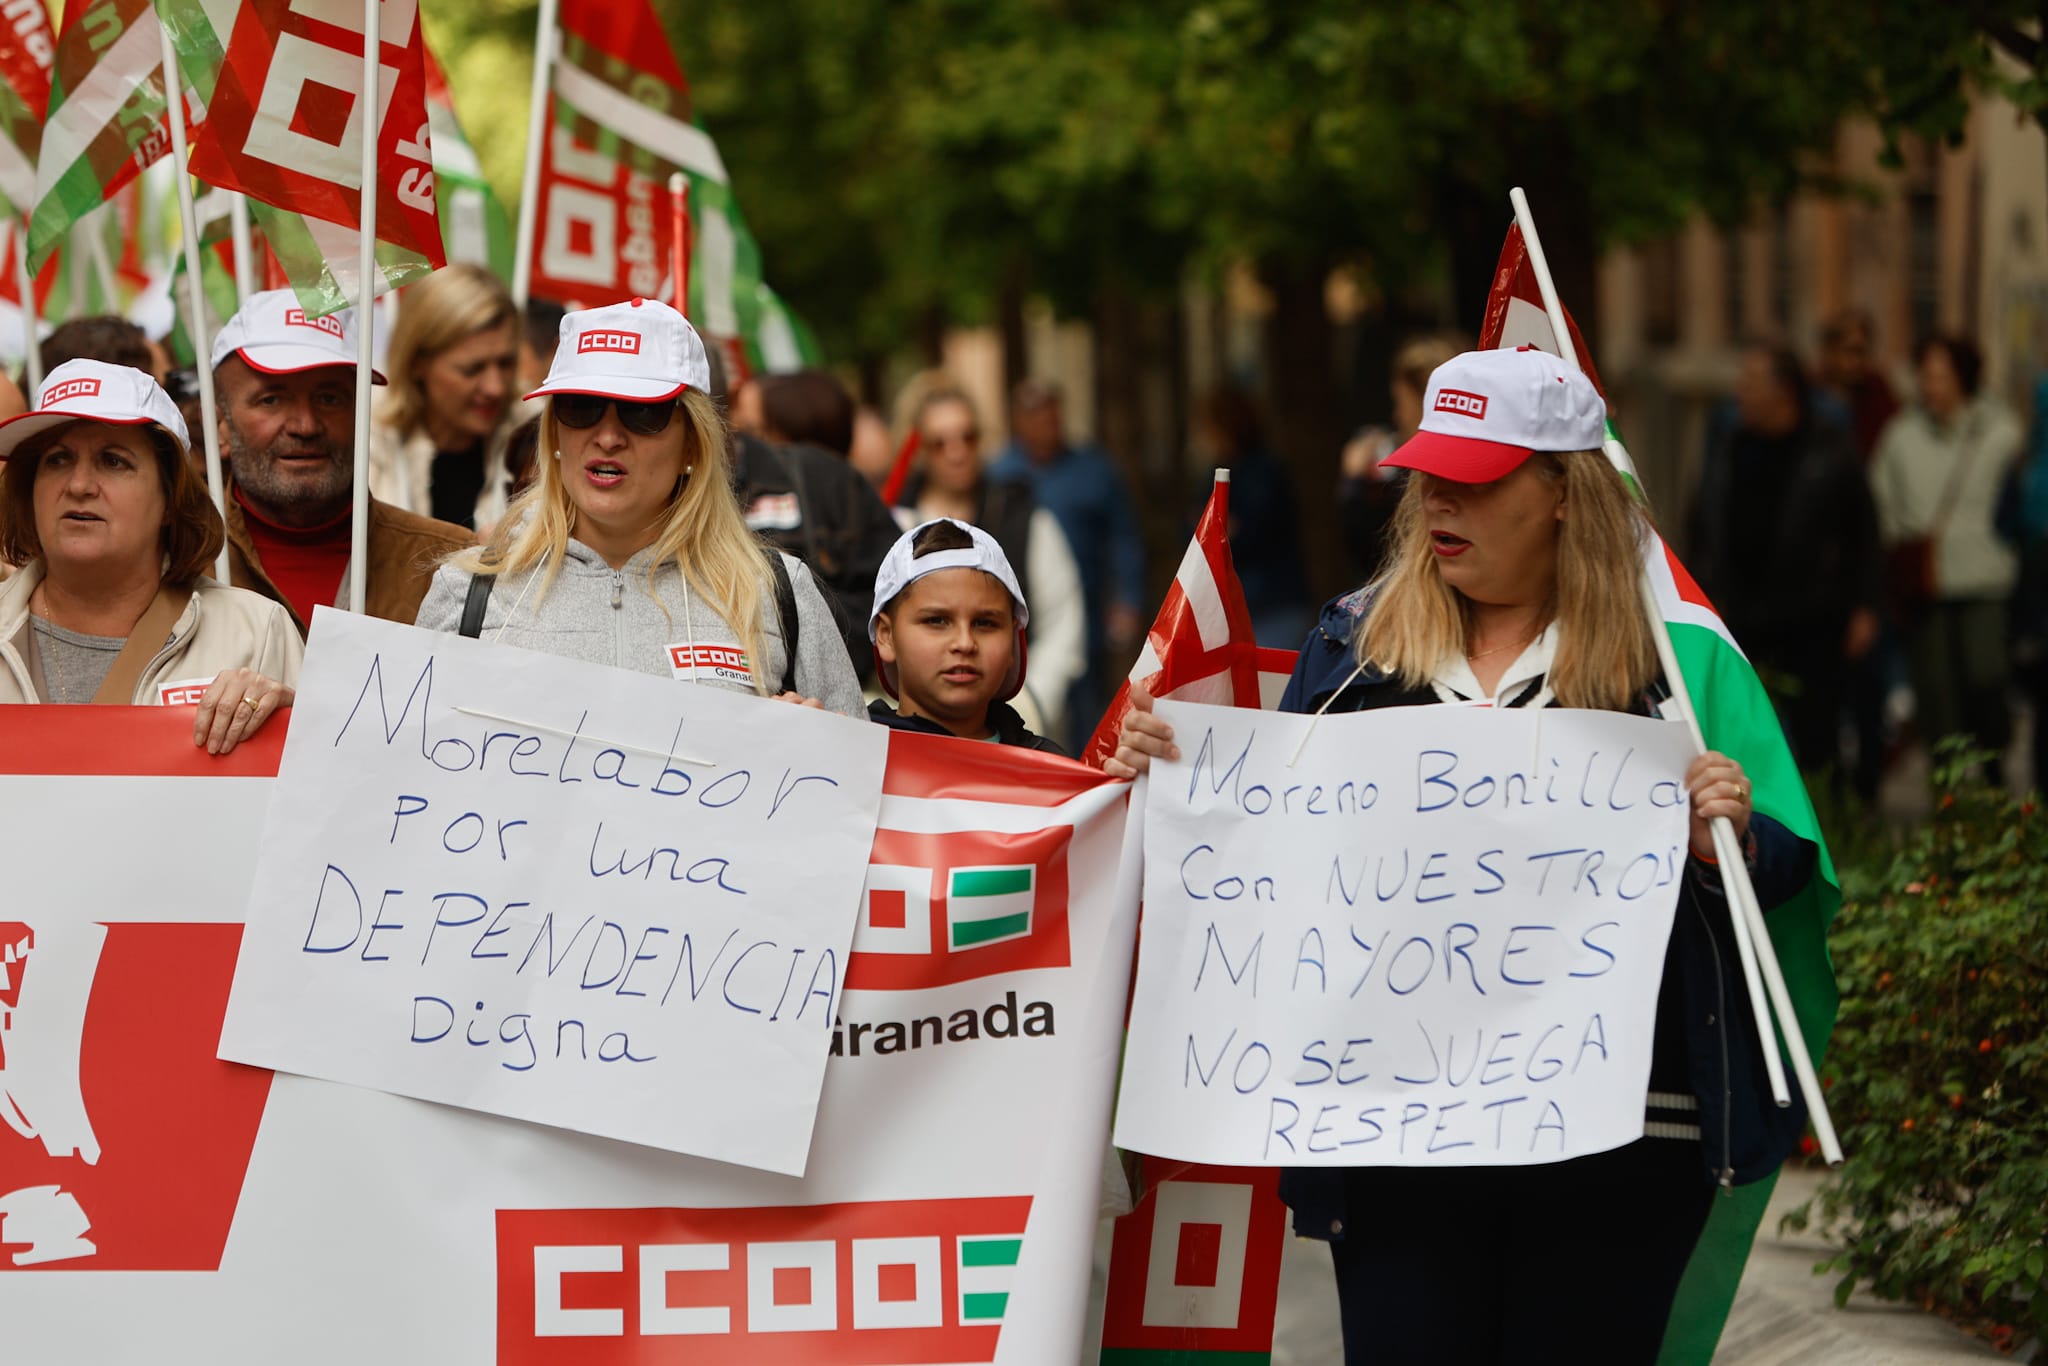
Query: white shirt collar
x,y
1454,680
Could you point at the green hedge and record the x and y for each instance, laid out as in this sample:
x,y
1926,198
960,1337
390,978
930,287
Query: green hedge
x,y
1938,1072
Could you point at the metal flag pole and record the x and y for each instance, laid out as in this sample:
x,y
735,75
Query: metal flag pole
x,y
195,292
1761,969
31,344
545,42
366,298
244,246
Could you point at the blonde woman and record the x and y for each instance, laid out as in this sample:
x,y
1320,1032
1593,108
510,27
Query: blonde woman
x,y
1512,577
629,548
438,431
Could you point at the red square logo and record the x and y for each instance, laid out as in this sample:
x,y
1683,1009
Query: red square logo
x,y
1194,1261
887,910
792,1285
896,1284
323,112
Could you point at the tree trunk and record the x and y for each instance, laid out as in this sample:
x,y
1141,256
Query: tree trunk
x,y
1010,298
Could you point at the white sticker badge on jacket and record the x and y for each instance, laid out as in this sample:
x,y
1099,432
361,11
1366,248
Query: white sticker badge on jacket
x,y
725,663
774,512
182,692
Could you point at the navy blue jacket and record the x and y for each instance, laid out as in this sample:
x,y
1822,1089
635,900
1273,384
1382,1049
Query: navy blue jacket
x,y
1009,727
1704,1024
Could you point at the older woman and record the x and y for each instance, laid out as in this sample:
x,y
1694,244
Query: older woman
x,y
952,481
629,548
438,434
1512,576
103,510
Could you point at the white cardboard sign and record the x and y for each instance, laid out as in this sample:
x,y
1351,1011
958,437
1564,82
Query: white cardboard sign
x,y
1434,940
556,891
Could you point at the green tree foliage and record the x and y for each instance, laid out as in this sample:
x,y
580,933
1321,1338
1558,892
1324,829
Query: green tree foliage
x,y
906,160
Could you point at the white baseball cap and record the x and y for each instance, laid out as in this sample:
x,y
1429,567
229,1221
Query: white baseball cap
x,y
902,567
272,333
94,391
1488,411
643,352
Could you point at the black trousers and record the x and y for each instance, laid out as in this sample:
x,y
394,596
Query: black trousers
x,y
1575,1262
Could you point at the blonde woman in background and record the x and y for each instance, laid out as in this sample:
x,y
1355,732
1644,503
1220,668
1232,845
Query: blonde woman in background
x,y
438,431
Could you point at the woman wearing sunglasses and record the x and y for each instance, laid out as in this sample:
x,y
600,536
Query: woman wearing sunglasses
x,y
629,548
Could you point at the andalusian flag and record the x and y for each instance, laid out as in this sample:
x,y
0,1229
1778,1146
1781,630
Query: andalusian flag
x,y
1737,718
989,905
106,119
25,63
474,224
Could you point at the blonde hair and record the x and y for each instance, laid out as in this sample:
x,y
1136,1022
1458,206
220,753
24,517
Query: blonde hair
x,y
450,306
1605,655
703,531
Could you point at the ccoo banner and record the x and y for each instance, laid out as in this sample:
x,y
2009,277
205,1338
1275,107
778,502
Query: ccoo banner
x,y
944,1216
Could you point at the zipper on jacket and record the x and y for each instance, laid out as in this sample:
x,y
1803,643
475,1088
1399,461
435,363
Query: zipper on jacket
x,y
1726,1176
618,590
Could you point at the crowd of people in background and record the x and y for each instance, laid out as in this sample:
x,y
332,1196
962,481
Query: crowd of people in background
x,y
1863,549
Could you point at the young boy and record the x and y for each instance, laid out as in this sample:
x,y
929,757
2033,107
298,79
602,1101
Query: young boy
x,y
948,631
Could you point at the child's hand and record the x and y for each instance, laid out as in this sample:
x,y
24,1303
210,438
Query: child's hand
x,y
1144,738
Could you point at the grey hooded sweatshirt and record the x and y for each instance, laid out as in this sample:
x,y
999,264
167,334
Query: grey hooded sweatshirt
x,y
612,616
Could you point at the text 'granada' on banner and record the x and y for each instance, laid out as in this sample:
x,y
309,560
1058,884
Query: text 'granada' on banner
x,y
557,891
1434,940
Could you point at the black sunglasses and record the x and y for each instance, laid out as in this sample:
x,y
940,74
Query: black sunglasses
x,y
579,412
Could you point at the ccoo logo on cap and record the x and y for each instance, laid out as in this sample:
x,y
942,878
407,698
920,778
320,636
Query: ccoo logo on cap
x,y
1488,411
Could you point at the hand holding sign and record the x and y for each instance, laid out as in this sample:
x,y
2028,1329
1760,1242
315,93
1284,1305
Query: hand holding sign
x,y
1436,940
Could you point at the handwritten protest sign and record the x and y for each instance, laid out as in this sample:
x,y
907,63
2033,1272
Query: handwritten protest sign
x,y
1435,940
555,891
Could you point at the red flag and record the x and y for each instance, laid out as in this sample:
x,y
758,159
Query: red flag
x,y
1201,647
1514,309
601,234
1195,1268
283,122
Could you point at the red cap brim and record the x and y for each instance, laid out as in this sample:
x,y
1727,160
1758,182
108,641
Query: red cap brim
x,y
1460,459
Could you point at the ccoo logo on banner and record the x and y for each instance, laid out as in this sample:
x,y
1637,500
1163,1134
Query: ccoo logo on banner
x,y
941,1218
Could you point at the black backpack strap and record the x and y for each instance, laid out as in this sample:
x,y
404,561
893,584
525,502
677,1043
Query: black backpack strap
x,y
480,586
785,614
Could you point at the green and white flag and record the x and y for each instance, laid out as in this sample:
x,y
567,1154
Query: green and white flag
x,y
989,905
474,224
106,119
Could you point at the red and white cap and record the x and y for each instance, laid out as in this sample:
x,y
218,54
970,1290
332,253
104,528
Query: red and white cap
x,y
272,333
1488,411
902,567
94,391
643,352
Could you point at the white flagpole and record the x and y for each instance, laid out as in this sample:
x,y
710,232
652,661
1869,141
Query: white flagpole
x,y
31,344
366,298
546,41
245,246
195,292
1753,941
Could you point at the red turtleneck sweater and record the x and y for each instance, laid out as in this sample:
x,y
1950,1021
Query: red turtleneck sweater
x,y
306,563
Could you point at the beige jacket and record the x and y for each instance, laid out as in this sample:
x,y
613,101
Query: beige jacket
x,y
1914,462
402,466
221,628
